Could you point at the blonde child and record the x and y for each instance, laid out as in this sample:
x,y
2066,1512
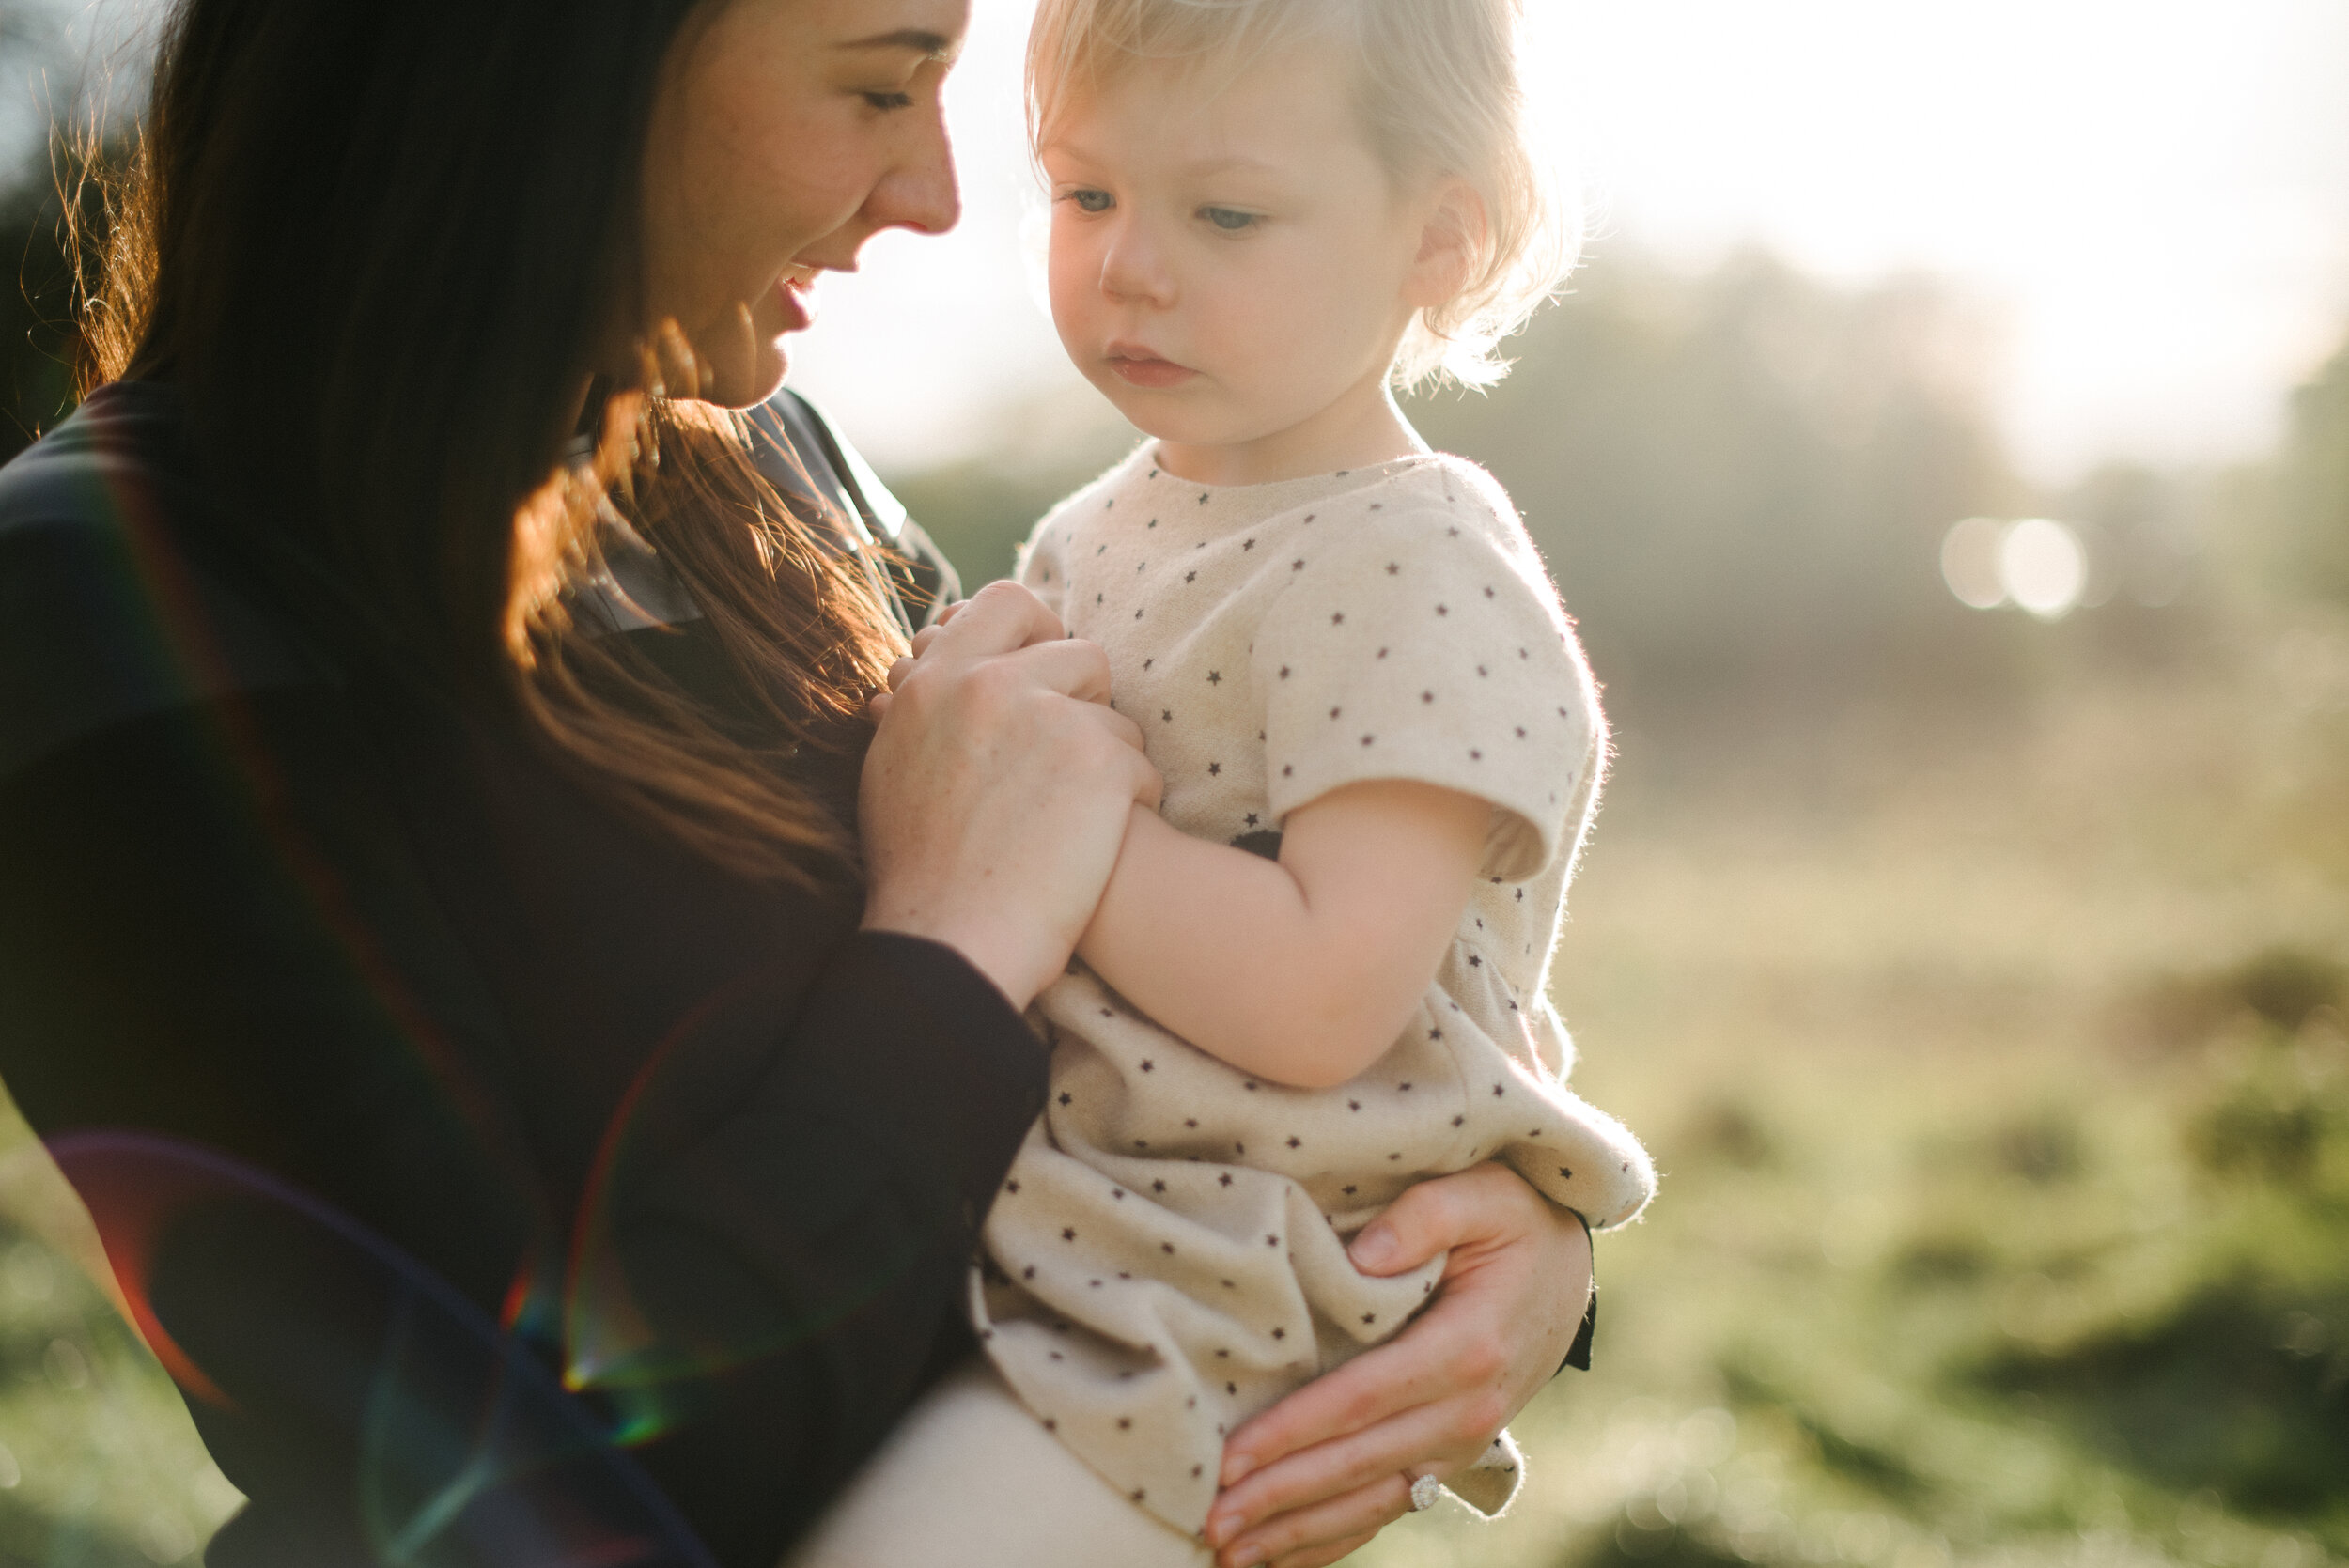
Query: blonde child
x,y
1318,974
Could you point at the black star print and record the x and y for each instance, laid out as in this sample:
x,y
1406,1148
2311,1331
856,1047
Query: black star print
x,y
1064,1099
1482,671
1096,598
1142,566
1202,498
1442,610
1292,1144
1457,1120
1152,523
1225,1179
1334,712
1157,1186
1251,820
1147,662
1567,1174
1028,1273
1166,716
1215,678
1451,533
1348,1191
1475,962
1067,1233
1370,1317
1100,550
1285,672
1488,593
1432,1034
1338,618
1247,544
1298,565
1273,1241
1392,569
1214,769
1190,576
1403,1088
1279,1333
1427,696
1011,1187
1147,1066
1499,1090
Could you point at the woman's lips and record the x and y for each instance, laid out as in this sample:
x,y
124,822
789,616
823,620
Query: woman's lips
x,y
1148,371
795,297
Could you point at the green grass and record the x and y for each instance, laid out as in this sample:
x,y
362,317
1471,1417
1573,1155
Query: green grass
x,y
1997,1069
1996,1064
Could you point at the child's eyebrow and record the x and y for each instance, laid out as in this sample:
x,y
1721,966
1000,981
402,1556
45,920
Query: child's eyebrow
x,y
1231,163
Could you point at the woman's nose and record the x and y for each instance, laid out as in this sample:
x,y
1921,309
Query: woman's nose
x,y
920,192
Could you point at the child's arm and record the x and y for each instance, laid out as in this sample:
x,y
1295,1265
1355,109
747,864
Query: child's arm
x,y
1302,972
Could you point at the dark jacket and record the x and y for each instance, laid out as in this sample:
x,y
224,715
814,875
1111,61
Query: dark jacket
x,y
444,1124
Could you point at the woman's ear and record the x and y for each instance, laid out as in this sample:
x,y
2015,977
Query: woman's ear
x,y
1452,240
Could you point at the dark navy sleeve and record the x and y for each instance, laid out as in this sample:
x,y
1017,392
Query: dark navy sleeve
x,y
232,925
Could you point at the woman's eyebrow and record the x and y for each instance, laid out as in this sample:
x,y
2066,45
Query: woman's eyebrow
x,y
936,46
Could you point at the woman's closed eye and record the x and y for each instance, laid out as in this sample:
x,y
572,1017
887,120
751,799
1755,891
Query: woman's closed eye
x,y
887,100
1230,219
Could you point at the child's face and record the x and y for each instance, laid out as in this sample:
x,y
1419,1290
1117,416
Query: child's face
x,y
1228,269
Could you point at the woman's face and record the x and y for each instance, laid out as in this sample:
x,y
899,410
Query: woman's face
x,y
784,135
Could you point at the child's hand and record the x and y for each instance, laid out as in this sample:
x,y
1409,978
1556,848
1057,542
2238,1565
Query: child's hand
x,y
1330,1465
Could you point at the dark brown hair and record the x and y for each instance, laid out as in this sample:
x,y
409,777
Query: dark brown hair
x,y
381,248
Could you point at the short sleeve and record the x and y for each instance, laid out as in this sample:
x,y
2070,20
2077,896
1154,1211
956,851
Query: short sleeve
x,y
1040,570
1420,638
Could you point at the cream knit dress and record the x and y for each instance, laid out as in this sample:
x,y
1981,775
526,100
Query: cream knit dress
x,y
1167,1256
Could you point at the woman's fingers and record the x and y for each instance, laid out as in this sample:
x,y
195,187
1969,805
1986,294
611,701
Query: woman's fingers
x,y
1478,1205
1515,1278
1325,1532
1439,1436
999,618
1315,1557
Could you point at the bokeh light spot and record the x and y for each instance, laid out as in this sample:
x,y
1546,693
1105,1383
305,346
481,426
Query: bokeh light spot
x,y
2043,566
1969,563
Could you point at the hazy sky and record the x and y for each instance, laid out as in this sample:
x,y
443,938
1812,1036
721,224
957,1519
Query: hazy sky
x,y
2152,194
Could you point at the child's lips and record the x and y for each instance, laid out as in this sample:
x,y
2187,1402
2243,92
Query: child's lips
x,y
1143,368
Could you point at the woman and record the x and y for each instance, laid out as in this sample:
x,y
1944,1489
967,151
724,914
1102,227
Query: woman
x,y
471,874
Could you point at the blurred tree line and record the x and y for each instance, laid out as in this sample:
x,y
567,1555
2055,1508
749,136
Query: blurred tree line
x,y
1740,478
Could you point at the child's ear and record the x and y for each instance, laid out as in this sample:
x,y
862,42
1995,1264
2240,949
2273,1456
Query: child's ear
x,y
1452,242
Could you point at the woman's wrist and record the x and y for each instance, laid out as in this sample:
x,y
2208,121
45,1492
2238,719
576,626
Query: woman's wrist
x,y
1013,964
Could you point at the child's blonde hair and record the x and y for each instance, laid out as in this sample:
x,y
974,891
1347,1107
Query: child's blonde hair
x,y
1437,90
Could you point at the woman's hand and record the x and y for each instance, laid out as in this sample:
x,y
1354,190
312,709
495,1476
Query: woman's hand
x,y
997,790
1327,1468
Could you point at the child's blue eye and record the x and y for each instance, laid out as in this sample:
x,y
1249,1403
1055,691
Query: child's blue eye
x,y
1089,201
1229,218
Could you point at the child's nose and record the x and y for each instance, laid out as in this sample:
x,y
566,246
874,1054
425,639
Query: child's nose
x,y
1132,268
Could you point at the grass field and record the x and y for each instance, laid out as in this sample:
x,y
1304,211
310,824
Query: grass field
x,y
1997,1071
1996,1066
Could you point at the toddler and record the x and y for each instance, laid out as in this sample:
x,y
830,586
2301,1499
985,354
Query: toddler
x,y
1318,975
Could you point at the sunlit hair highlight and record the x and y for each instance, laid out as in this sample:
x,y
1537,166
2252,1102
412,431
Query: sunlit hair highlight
x,y
1437,89
379,251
